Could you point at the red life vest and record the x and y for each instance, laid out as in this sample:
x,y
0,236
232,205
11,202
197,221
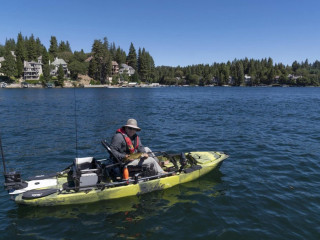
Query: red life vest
x,y
128,140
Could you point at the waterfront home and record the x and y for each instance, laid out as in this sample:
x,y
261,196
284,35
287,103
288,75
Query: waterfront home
x,y
126,69
247,79
1,60
115,68
293,77
32,70
56,63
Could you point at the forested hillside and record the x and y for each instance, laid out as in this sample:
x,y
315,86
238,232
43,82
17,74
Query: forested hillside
x,y
98,65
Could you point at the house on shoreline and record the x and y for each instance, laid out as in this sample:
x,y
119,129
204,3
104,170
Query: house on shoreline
x,y
32,70
115,68
56,63
126,69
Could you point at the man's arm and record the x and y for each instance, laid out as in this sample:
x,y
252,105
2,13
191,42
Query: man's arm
x,y
118,146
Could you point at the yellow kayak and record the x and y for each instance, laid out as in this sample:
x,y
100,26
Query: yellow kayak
x,y
88,180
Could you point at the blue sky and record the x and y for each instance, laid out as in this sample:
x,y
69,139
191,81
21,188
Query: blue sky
x,y
175,32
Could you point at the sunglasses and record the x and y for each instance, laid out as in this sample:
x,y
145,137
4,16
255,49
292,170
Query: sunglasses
x,y
130,128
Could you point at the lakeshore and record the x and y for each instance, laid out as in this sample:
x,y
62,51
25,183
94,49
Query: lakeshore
x,y
39,86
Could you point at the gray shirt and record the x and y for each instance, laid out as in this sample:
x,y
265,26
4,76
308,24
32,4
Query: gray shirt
x,y
119,146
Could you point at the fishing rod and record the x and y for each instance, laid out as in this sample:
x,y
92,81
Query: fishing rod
x,y
75,119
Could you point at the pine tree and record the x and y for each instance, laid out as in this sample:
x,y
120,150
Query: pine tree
x,y
62,47
106,43
21,54
113,50
10,45
120,56
146,66
60,76
53,49
2,50
240,74
39,47
31,49
100,65
9,67
132,57
68,48
46,72
45,56
93,69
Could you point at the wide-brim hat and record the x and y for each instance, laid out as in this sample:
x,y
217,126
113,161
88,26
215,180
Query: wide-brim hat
x,y
133,124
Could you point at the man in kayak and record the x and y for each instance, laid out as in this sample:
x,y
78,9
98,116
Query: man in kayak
x,y
126,142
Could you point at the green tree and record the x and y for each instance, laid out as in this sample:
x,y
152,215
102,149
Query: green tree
x,y
60,77
53,49
120,56
2,50
21,54
39,47
193,79
77,68
46,73
132,57
9,67
10,45
64,47
139,61
31,49
106,43
115,79
146,66
135,77
100,65
45,56
178,73
239,80
80,56
295,66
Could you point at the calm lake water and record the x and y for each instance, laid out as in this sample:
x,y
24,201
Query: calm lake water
x,y
267,189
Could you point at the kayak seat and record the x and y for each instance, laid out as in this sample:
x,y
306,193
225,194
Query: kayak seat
x,y
83,163
84,172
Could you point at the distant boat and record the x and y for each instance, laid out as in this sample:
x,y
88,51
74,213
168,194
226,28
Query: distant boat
x,y
24,85
49,85
3,85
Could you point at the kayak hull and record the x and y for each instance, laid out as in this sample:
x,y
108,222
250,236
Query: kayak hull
x,y
63,197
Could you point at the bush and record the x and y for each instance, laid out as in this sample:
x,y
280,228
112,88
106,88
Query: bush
x,y
94,82
32,81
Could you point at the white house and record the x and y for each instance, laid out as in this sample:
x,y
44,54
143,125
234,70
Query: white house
x,y
126,69
32,70
1,60
247,79
56,63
